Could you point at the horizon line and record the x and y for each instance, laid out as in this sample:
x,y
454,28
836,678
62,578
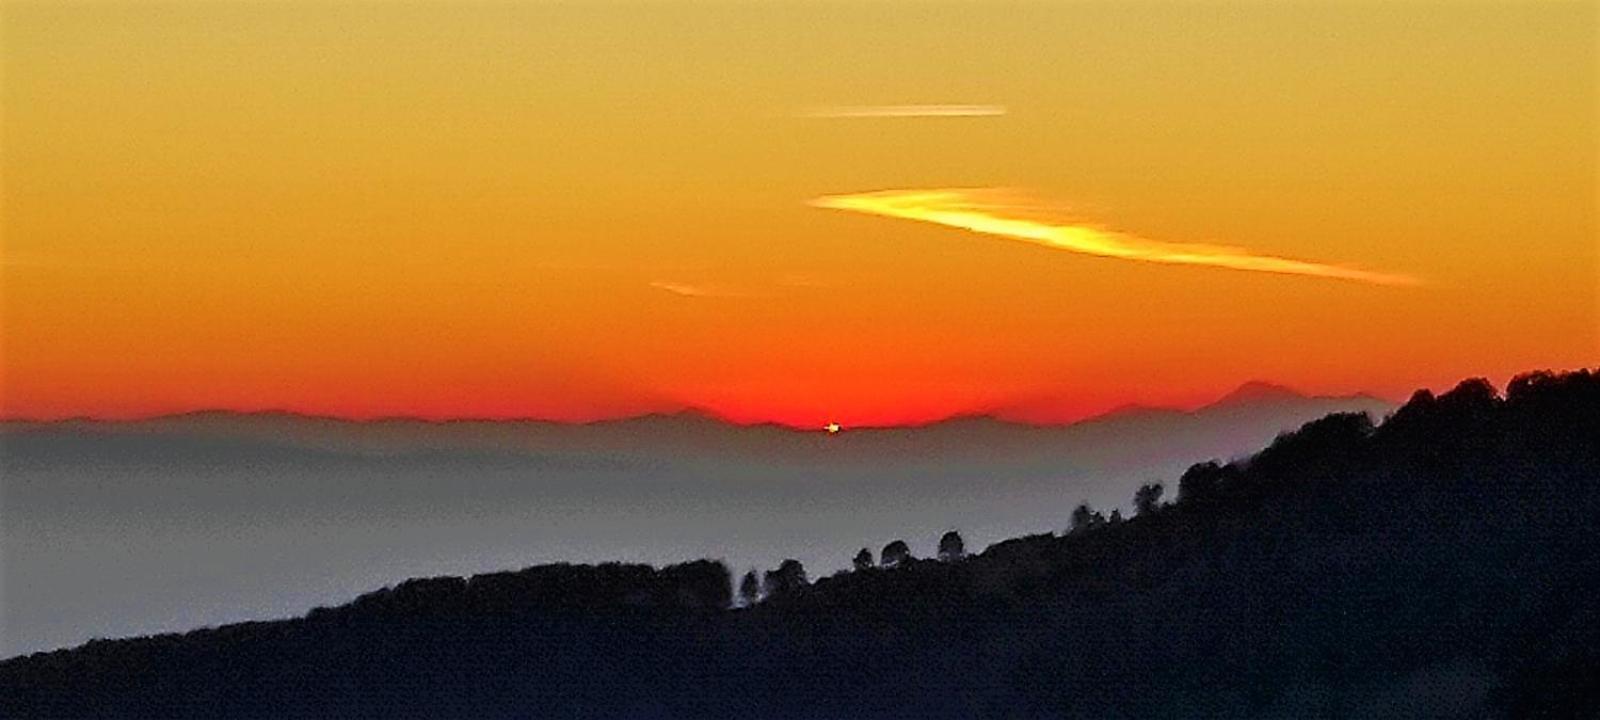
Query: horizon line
x,y
998,416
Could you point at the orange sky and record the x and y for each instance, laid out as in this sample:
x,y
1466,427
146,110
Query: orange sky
x,y
588,210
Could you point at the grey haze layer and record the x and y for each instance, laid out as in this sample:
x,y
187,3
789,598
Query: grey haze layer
x,y
129,528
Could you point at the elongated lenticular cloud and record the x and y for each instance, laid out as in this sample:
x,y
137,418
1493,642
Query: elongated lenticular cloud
x,y
906,111
996,212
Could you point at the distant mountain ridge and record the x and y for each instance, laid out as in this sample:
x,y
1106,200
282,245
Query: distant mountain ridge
x,y
1240,419
1253,392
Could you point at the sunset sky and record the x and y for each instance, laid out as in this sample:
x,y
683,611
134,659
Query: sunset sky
x,y
802,212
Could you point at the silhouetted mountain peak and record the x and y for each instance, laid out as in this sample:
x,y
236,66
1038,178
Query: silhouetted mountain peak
x,y
1258,391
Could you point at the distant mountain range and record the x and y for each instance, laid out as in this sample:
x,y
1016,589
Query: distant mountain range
x,y
213,517
1248,405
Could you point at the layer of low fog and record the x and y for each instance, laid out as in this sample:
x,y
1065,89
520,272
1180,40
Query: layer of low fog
x,y
113,530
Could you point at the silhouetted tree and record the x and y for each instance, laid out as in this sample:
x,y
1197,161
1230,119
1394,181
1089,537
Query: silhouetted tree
x,y
895,554
951,547
1148,498
1116,516
789,577
1321,450
863,560
1471,396
1083,518
1533,385
702,583
1202,481
750,588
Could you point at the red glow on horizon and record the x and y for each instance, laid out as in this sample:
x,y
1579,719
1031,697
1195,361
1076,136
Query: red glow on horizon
x,y
799,416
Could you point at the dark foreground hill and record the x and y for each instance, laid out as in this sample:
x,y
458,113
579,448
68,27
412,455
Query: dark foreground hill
x,y
1442,564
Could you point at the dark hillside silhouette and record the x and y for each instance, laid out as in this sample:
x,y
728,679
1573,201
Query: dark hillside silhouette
x,y
1441,563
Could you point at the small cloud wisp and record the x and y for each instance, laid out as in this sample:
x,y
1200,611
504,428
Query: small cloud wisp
x,y
774,288
683,289
905,111
996,212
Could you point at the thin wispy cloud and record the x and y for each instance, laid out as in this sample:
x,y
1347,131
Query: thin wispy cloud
x,y
23,262
802,280
997,212
683,289
785,284
904,111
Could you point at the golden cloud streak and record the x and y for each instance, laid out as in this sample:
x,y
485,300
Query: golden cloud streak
x,y
994,212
